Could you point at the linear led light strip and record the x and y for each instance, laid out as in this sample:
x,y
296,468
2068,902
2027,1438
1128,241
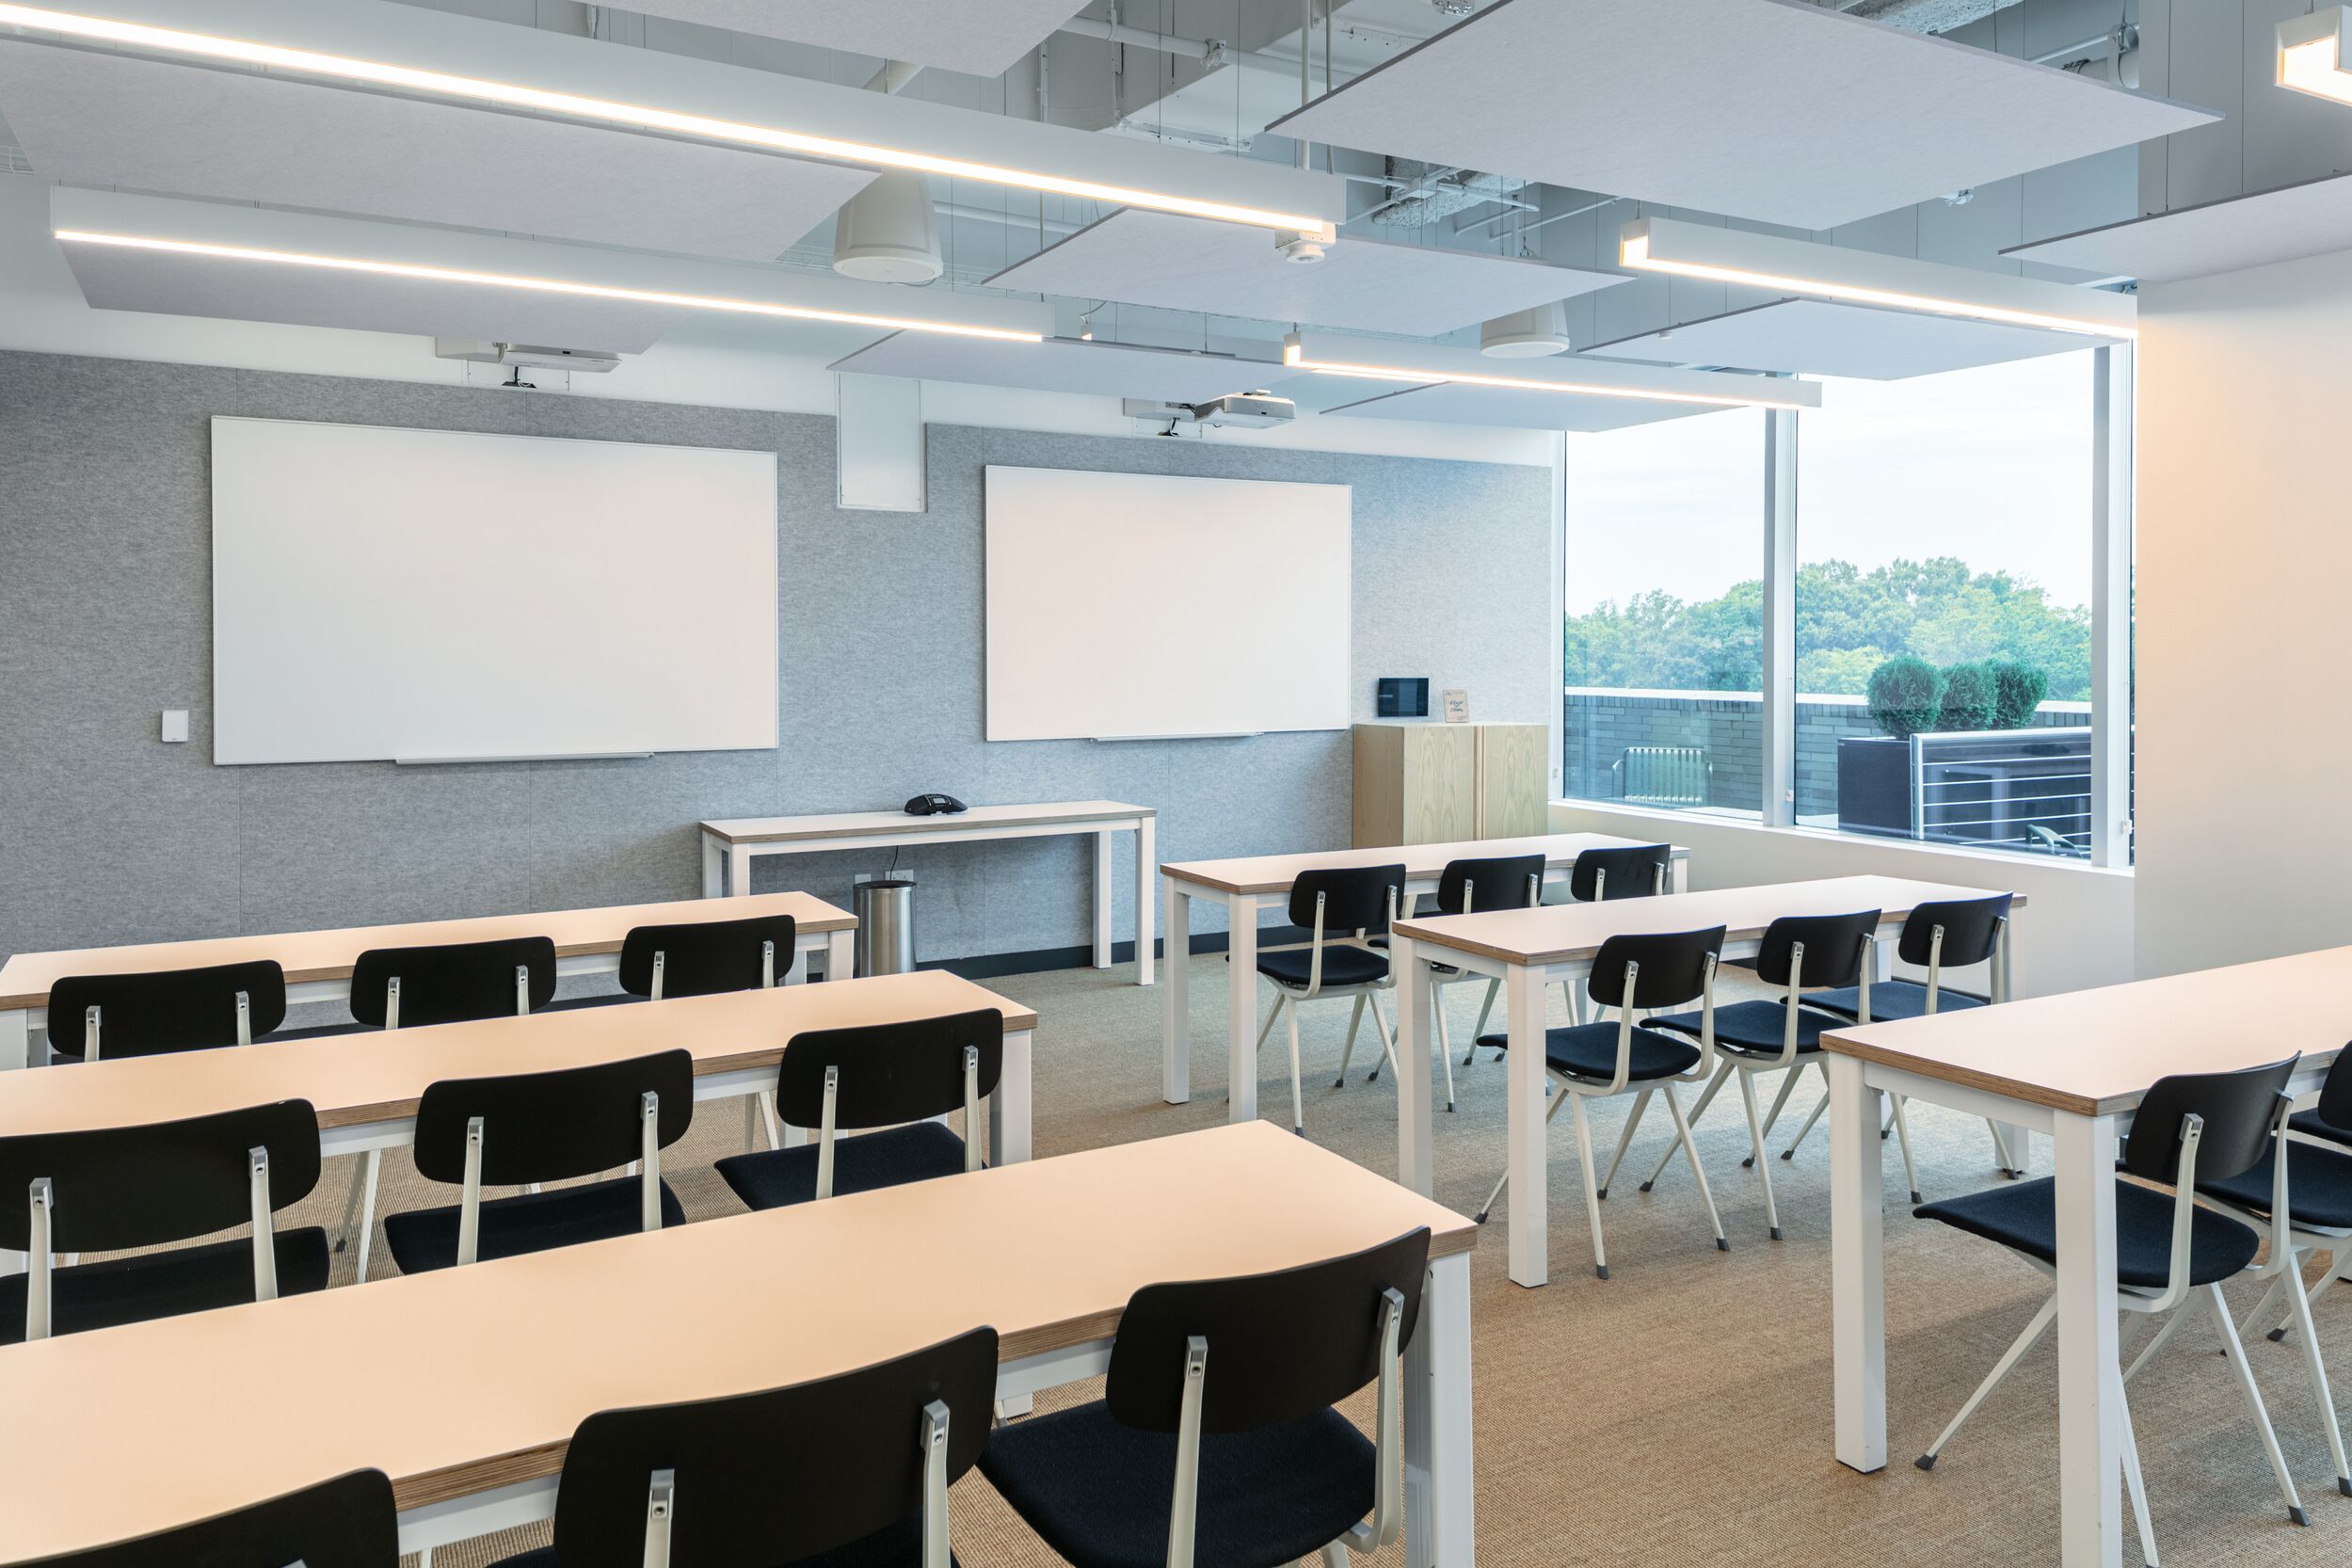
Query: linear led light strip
x,y
541,285
442,84
1294,356
2311,54
1633,251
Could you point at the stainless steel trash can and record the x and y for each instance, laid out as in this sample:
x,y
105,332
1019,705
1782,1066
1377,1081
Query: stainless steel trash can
x,y
886,925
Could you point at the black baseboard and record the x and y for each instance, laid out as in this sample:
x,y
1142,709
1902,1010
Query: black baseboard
x,y
995,966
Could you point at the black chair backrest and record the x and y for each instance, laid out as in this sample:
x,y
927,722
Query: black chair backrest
x,y
2239,1110
1498,882
890,1073
1972,927
144,1014
452,982
1356,898
774,1477
699,960
1634,870
346,1523
1674,968
118,1188
1833,947
1280,1345
2335,1095
553,1126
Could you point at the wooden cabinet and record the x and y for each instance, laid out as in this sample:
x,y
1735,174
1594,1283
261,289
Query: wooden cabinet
x,y
1424,783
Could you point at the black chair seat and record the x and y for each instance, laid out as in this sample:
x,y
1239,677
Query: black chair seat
x,y
901,1545
1891,1000
164,1284
2311,1122
1590,1050
1344,964
2024,1217
1097,1492
1757,1027
2319,1186
773,1178
427,1238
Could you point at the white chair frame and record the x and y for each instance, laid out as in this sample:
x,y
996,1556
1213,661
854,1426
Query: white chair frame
x,y
1287,998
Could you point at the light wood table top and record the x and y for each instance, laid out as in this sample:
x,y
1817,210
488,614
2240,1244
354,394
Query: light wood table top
x,y
2096,1052
1564,932
379,1075
1274,873
861,825
465,1379
312,955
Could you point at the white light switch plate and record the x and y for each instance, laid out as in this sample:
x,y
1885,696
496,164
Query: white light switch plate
x,y
176,726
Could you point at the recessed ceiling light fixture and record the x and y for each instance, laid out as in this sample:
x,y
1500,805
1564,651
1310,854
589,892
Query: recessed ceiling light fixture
x,y
1865,278
853,112
1428,365
2311,53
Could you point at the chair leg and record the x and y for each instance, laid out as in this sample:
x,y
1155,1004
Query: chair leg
x,y
1494,989
2337,1262
1592,1189
1336,1555
1698,1172
1298,1112
1902,1134
2002,1161
2155,1343
1706,1098
2291,1277
1755,1139
1806,1130
2138,1486
1560,1097
1780,1101
1444,1043
1273,1013
1347,1054
2010,1357
351,1204
775,1122
367,1212
2219,1311
1625,1138
1388,1041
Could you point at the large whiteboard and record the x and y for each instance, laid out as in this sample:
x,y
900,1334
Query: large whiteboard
x,y
1123,606
432,595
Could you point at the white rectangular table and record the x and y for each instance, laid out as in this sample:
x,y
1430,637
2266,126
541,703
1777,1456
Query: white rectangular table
x,y
729,847
318,964
1248,886
1530,949
2075,1066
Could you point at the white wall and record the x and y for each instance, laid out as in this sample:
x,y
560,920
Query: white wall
x,y
2244,640
2075,932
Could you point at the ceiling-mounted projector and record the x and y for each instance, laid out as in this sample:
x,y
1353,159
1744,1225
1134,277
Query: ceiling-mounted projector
x,y
888,233
1252,410
529,357
1291,246
1527,334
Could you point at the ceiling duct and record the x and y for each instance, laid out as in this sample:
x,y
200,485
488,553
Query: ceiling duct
x,y
889,232
1426,193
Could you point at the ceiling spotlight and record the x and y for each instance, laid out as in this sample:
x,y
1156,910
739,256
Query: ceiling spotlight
x,y
1527,334
1297,247
888,233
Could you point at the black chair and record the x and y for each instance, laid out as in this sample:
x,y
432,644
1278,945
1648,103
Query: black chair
x,y
876,1076
1599,1060
1949,934
113,1189
1215,1441
850,1471
525,1129
1632,870
1779,1034
452,983
700,960
1466,887
2171,1252
1342,909
2330,1121
97,1016
346,1523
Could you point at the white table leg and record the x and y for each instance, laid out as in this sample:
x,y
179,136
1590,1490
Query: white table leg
x,y
1103,899
1678,874
1857,1267
1146,871
1523,1129
1441,1520
1414,995
16,1039
1009,1107
2090,1383
713,868
1175,1000
739,871
797,971
1242,1007
840,954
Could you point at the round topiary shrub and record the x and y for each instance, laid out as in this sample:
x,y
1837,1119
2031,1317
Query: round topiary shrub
x,y
1906,695
1967,697
2017,692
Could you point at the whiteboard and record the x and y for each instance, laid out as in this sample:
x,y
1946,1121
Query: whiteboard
x,y
436,596
1126,605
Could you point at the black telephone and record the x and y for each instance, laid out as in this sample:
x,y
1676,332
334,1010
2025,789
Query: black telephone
x,y
933,805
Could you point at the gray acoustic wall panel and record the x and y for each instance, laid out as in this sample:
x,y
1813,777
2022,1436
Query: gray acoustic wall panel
x,y
106,619
1781,111
1820,337
1368,285
89,118
981,38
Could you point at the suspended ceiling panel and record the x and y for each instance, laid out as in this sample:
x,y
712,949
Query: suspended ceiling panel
x,y
1186,264
93,119
981,38
1819,337
1064,365
2287,224
1455,404
1777,110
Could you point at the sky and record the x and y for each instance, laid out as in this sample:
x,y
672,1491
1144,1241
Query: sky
x,y
1992,465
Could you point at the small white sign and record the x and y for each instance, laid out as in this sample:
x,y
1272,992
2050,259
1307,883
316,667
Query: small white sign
x,y
1457,704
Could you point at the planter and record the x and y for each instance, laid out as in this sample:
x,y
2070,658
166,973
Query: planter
x,y
1874,785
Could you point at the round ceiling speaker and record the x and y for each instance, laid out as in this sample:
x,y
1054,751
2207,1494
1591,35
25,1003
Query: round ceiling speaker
x,y
1527,334
888,233
1298,248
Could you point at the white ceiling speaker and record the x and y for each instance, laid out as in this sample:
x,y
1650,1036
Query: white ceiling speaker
x,y
1297,247
888,233
1527,334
